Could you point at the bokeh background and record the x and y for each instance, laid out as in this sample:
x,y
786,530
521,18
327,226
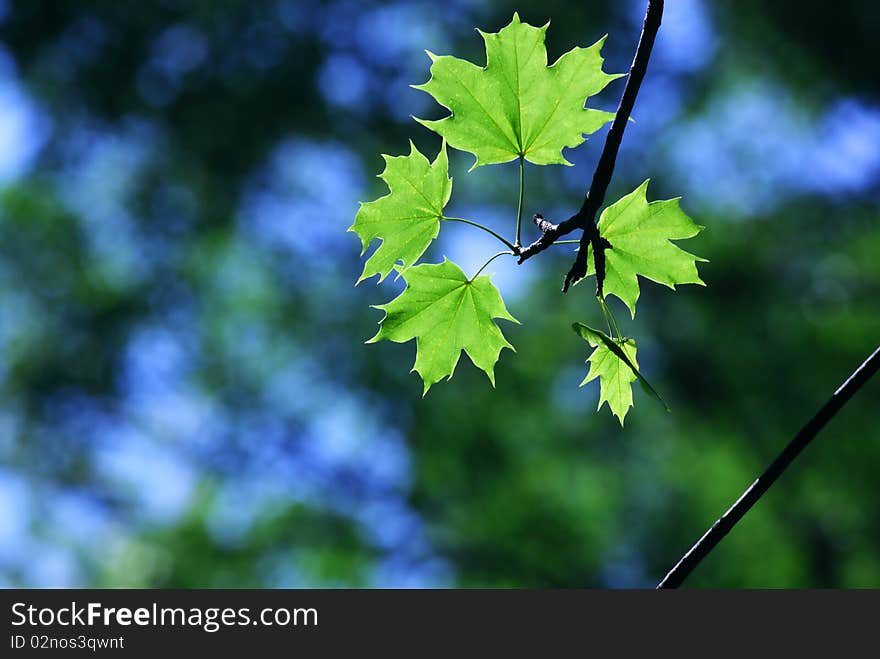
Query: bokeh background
x,y
185,396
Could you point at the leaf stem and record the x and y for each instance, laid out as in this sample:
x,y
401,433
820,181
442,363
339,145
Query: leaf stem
x,y
605,313
483,267
606,309
506,242
519,207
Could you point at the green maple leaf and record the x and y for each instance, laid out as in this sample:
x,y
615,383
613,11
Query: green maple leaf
x,y
446,313
516,106
640,235
408,218
614,363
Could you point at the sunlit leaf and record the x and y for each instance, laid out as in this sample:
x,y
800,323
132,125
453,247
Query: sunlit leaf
x,y
446,313
517,106
640,233
408,218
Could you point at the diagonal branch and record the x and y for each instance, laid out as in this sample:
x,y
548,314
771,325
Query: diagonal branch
x,y
756,490
585,218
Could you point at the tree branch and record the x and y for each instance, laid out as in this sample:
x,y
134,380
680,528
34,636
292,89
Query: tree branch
x,y
585,218
757,489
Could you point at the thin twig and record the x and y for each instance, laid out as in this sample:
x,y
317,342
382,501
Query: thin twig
x,y
491,258
605,169
756,490
585,218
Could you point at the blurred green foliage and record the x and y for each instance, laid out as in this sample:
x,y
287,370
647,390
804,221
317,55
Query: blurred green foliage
x,y
185,397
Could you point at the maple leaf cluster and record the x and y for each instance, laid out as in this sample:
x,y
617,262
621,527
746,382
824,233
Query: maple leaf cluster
x,y
516,107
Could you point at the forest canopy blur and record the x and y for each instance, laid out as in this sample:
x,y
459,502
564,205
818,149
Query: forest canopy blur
x,y
185,397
